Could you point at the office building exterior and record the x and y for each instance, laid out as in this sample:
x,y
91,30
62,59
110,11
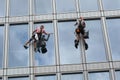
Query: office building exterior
x,y
18,18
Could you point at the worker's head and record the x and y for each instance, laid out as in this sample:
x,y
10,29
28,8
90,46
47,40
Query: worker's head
x,y
81,18
42,27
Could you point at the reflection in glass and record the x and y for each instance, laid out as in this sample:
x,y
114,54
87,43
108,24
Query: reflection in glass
x,y
99,76
113,26
18,56
72,77
1,44
45,77
88,5
96,50
19,78
117,74
65,6
68,53
47,58
43,6
2,8
18,7
111,5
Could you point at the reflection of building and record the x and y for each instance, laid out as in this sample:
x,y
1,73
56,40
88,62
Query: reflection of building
x,y
102,60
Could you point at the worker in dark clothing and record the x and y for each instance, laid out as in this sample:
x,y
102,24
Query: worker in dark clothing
x,y
81,30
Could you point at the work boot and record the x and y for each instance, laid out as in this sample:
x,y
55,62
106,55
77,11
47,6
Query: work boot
x,y
86,46
76,43
39,50
25,47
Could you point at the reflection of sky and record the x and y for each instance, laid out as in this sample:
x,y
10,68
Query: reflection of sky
x,y
111,5
43,6
49,57
45,77
2,8
96,50
99,76
114,34
117,75
18,56
1,45
68,53
72,77
19,7
87,5
62,6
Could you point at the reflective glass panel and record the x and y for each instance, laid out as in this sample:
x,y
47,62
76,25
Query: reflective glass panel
x,y
88,5
96,50
19,78
99,76
68,53
75,76
113,26
19,7
45,77
47,58
18,55
63,6
1,45
111,5
43,7
117,74
2,8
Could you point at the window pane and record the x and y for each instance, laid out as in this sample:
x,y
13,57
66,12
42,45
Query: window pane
x,y
111,5
47,58
2,8
19,78
18,56
47,77
117,74
1,45
43,7
99,76
88,5
72,77
96,50
18,7
68,53
65,6
113,29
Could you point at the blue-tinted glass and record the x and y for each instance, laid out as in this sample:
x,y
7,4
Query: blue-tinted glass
x,y
43,7
72,77
99,76
96,50
88,5
19,7
1,44
113,26
19,78
68,53
47,77
111,4
47,58
2,8
63,6
18,56
117,74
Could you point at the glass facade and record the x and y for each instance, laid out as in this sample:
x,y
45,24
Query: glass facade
x,y
99,76
62,61
1,45
18,56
